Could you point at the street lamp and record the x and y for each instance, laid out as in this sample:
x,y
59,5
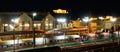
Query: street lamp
x,y
15,20
33,29
86,20
113,20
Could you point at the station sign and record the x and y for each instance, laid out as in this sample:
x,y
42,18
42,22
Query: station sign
x,y
60,11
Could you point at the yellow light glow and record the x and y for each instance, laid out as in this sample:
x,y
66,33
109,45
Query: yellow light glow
x,y
60,11
113,19
102,18
26,25
93,19
38,24
46,24
80,21
5,24
108,17
50,24
16,20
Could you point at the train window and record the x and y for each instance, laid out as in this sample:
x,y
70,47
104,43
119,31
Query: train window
x,y
67,39
71,39
76,38
57,40
51,41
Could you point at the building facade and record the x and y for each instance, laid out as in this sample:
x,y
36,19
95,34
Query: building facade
x,y
23,22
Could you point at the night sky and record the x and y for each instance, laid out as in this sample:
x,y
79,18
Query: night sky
x,y
77,8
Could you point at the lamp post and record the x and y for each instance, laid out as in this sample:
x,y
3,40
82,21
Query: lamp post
x,y
113,20
13,29
86,20
5,26
101,19
33,29
15,21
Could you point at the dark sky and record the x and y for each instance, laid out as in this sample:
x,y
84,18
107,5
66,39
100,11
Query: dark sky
x,y
75,7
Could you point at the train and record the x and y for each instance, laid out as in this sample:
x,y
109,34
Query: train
x,y
40,40
59,39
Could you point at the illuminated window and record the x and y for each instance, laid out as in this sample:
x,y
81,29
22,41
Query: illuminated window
x,y
26,26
